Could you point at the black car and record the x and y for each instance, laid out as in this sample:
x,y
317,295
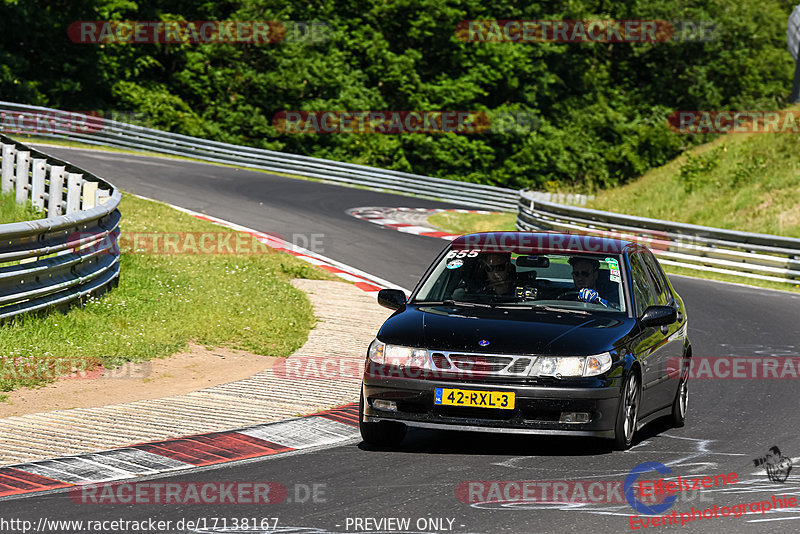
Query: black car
x,y
536,333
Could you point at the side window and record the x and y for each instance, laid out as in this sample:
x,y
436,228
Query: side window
x,y
657,275
642,285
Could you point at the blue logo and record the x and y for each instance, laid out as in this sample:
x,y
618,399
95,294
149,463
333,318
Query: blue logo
x,y
630,483
483,342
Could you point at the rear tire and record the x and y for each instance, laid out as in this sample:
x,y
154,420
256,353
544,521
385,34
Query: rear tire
x,y
381,434
681,403
628,413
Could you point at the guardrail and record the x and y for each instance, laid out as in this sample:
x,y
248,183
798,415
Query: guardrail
x,y
702,248
47,122
69,254
86,128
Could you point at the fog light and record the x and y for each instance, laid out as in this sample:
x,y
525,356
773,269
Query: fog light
x,y
386,405
574,417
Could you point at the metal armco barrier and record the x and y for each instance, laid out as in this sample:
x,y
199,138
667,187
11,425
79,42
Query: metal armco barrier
x,y
756,256
47,122
70,254
702,248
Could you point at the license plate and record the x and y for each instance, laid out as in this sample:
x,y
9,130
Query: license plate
x,y
502,400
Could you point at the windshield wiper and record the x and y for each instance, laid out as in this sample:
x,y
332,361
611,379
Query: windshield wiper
x,y
553,309
450,302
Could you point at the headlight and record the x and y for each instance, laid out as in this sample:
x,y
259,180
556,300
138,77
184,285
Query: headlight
x,y
559,366
397,355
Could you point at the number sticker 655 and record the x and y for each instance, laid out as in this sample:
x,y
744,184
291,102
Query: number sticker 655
x,y
462,254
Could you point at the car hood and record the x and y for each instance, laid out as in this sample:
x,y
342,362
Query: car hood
x,y
507,331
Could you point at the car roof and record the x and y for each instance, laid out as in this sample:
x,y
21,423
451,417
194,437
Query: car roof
x,y
542,242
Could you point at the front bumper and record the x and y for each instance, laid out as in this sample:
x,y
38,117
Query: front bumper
x,y
537,409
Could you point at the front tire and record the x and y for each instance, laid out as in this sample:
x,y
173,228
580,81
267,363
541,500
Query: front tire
x,y
381,434
628,413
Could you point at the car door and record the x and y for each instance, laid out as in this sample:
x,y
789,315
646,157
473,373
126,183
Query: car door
x,y
650,346
674,334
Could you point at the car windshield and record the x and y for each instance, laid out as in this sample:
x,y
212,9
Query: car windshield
x,y
566,281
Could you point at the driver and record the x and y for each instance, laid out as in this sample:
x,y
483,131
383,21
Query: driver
x,y
584,274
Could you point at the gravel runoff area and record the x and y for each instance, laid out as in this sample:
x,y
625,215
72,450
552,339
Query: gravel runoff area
x,y
322,374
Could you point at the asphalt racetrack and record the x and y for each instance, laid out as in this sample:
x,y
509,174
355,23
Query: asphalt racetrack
x,y
426,482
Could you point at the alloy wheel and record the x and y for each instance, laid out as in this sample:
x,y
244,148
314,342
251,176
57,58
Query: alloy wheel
x,y
631,407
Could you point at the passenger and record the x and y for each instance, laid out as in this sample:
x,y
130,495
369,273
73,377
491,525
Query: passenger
x,y
500,274
585,272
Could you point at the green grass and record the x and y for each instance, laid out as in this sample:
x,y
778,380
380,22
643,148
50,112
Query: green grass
x,y
731,278
465,223
243,301
11,212
745,182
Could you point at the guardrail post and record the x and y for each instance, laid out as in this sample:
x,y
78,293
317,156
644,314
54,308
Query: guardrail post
x,y
9,154
101,196
37,185
73,192
89,195
23,165
55,191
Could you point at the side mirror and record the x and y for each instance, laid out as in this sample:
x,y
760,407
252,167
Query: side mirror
x,y
659,316
394,299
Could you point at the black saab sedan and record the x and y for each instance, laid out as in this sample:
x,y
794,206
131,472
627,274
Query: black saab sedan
x,y
536,333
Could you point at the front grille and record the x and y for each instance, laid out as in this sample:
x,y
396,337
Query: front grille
x,y
519,366
478,363
481,364
440,362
